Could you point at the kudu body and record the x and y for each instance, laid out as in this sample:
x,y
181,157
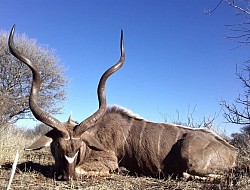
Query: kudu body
x,y
112,138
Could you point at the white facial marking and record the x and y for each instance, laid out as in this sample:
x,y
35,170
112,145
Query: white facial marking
x,y
71,159
66,139
75,138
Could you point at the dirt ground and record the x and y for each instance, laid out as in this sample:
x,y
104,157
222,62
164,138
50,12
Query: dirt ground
x,y
35,171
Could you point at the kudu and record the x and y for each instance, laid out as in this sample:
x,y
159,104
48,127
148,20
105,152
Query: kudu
x,y
112,137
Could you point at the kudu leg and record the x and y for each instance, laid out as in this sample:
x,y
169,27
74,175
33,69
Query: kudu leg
x,y
102,163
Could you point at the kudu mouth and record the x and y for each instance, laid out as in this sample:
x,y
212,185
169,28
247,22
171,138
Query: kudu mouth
x,y
67,173
46,118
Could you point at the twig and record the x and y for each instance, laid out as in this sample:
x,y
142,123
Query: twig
x,y
237,7
13,169
210,11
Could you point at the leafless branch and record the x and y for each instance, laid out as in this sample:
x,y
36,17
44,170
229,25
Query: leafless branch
x,y
239,111
237,7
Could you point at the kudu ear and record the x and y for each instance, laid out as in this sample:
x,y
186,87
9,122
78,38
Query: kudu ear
x,y
91,141
43,141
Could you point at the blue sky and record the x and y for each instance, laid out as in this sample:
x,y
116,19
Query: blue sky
x,y
177,58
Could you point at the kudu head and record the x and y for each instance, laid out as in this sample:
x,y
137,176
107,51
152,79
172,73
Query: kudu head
x,y
67,138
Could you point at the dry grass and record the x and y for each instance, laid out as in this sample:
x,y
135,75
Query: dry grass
x,y
35,171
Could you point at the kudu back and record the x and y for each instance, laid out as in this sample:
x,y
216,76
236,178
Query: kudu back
x,y
112,137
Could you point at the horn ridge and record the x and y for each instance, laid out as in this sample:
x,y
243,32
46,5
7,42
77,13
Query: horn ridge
x,y
39,114
94,118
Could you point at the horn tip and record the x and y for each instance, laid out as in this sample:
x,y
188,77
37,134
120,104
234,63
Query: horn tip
x,y
121,34
12,34
13,28
122,42
70,116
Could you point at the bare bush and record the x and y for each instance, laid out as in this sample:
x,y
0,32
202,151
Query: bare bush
x,y
11,140
190,121
15,79
39,130
242,142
